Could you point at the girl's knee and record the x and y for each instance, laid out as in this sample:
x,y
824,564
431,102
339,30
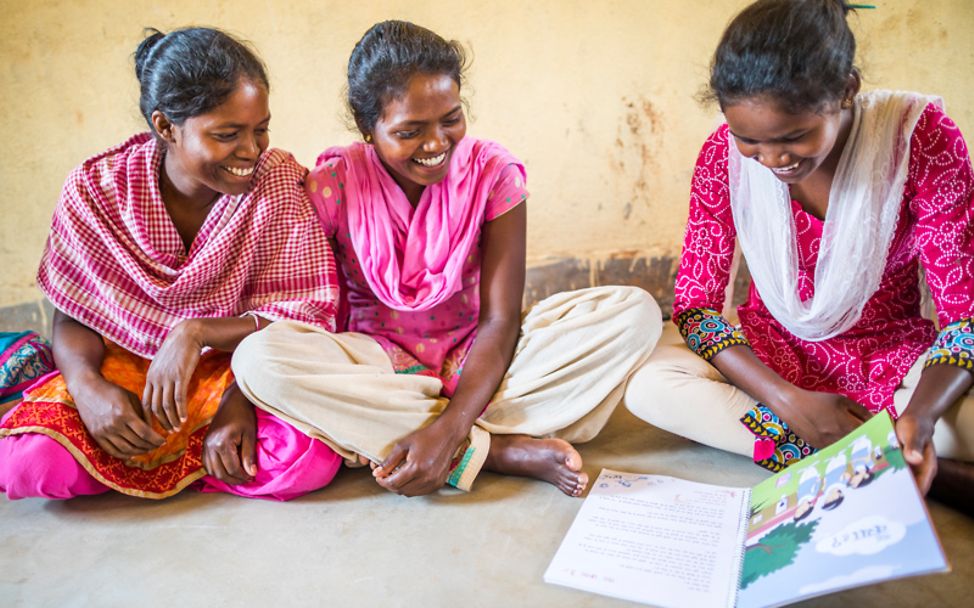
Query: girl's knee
x,y
639,316
260,372
645,316
248,354
648,395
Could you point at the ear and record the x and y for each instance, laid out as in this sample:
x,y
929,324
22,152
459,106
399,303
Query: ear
x,y
165,129
853,84
366,133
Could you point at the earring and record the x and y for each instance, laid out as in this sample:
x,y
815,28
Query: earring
x,y
368,138
846,104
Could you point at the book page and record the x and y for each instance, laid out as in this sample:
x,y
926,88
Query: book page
x,y
846,516
656,540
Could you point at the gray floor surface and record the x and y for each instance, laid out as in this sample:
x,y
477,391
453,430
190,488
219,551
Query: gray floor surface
x,y
353,544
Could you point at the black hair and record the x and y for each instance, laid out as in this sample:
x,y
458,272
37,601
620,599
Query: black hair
x,y
190,71
798,52
387,56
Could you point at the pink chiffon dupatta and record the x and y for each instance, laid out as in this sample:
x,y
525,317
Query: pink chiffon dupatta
x,y
411,257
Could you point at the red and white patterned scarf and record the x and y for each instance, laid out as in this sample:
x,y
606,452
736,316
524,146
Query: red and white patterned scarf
x,y
115,261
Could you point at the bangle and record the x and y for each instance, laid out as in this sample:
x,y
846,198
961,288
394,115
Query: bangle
x,y
253,314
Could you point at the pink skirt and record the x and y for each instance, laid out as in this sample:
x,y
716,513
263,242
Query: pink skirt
x,y
289,464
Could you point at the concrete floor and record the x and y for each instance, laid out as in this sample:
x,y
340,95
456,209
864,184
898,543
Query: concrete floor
x,y
353,544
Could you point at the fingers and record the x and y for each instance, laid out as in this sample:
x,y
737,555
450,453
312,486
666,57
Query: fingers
x,y
121,447
400,478
219,465
146,405
918,451
128,435
230,459
134,438
180,397
927,470
213,465
154,404
146,435
105,444
248,454
167,401
144,411
907,434
141,425
169,405
393,460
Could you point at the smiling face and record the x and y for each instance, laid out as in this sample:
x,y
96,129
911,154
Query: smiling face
x,y
793,146
215,153
418,131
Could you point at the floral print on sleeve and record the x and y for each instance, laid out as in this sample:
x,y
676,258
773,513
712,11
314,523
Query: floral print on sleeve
x,y
707,333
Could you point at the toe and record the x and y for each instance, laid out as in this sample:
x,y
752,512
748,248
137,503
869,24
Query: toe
x,y
582,482
573,460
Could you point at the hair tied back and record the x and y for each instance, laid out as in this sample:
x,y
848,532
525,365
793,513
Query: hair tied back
x,y
145,48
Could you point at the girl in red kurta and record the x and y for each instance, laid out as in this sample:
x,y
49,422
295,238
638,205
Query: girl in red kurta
x,y
836,198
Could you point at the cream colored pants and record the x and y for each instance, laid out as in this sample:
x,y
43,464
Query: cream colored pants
x,y
574,355
678,391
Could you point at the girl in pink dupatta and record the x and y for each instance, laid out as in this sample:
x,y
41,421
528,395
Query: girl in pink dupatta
x,y
164,253
836,198
433,382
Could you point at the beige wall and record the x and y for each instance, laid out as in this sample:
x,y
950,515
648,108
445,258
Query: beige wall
x,y
595,96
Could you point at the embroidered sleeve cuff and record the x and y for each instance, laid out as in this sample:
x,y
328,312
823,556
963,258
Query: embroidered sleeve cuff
x,y
954,345
707,333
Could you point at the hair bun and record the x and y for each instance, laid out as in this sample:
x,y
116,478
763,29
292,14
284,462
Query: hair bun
x,y
152,38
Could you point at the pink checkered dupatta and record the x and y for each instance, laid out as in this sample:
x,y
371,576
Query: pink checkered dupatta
x,y
115,261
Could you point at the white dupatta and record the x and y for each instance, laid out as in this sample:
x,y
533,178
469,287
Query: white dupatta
x,y
864,207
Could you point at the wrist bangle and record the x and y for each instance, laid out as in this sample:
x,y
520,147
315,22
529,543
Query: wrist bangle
x,y
256,319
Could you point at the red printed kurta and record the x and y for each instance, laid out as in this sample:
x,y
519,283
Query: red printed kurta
x,y
868,362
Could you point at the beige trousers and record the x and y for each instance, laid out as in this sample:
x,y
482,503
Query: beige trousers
x,y
678,391
574,355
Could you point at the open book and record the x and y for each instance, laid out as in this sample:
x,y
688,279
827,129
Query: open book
x,y
846,516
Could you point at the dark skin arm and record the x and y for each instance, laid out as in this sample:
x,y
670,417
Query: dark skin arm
x,y
821,419
173,366
116,418
939,388
419,463
113,416
229,447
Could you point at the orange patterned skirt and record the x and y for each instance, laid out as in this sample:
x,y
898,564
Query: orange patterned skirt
x,y
48,409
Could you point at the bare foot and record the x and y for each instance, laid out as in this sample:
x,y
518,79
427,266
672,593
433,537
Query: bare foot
x,y
551,460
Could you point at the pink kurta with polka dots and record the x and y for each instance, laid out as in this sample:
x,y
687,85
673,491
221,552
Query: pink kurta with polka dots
x,y
868,362
432,342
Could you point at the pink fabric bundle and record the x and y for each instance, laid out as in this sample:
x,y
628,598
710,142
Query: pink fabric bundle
x,y
115,261
411,257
